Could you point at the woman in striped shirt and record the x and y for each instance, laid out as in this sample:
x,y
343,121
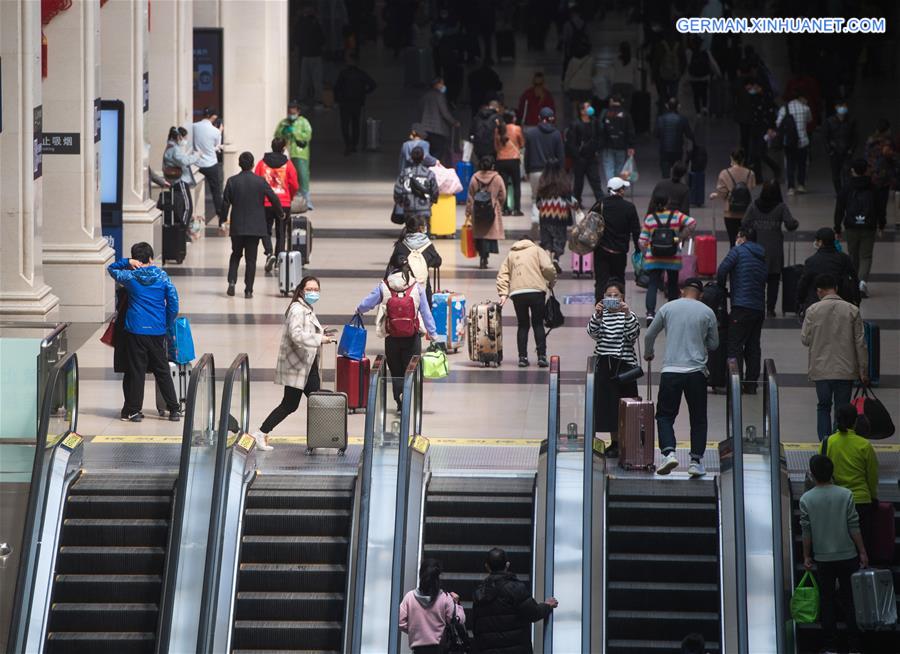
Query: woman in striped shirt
x,y
556,206
615,329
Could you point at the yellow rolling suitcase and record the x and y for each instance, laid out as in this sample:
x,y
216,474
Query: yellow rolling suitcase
x,y
443,217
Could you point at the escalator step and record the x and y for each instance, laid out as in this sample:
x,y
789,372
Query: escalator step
x,y
115,588
465,558
503,506
626,625
635,596
309,522
286,634
144,484
294,549
655,646
299,499
69,617
490,532
304,482
119,506
636,488
671,540
276,577
662,514
663,568
285,651
118,532
482,486
110,560
73,642
287,606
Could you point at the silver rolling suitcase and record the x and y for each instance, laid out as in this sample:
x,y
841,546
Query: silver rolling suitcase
x,y
326,417
874,599
181,378
485,333
373,134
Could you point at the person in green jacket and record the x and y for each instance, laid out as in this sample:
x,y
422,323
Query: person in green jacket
x,y
297,133
855,467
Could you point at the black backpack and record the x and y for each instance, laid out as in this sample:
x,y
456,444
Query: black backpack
x,y
482,205
739,198
858,209
483,137
664,241
787,131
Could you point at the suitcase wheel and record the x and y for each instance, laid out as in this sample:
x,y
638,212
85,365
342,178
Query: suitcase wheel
x,y
179,261
309,451
342,451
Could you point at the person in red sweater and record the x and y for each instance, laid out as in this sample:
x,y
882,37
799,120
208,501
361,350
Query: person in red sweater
x,y
535,98
279,172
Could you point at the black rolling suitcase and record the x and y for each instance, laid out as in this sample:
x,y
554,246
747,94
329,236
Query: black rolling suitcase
x,y
790,280
640,111
174,233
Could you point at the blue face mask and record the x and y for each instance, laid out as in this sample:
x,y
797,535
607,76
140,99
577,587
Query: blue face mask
x,y
443,89
311,297
841,111
590,111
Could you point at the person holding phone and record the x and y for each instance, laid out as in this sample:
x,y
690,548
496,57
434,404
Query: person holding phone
x,y
615,329
297,368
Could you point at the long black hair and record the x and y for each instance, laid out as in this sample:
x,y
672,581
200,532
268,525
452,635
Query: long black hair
x,y
430,578
845,416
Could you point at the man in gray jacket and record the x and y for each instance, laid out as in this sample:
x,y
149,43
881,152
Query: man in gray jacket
x,y
543,144
437,120
691,331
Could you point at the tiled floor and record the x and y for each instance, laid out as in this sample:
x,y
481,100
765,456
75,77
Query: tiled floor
x,y
352,196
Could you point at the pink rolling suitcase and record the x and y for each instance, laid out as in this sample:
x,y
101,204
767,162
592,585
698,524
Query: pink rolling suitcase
x,y
688,262
582,264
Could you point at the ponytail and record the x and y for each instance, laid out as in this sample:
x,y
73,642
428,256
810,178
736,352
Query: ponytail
x,y
173,134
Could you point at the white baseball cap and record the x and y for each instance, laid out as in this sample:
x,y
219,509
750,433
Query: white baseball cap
x,y
616,183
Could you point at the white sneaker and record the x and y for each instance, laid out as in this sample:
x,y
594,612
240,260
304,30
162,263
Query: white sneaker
x,y
863,289
801,188
670,462
261,444
791,191
696,469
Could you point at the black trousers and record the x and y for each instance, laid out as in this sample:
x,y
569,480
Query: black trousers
x,y
291,400
248,247
147,353
797,159
607,265
397,353
829,574
553,237
351,116
839,170
213,175
656,280
732,226
530,309
700,90
668,401
773,282
509,168
744,333
273,225
591,170
439,147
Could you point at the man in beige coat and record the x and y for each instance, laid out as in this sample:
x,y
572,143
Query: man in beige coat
x,y
833,332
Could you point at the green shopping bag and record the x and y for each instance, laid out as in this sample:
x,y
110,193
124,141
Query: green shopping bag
x,y
435,364
805,601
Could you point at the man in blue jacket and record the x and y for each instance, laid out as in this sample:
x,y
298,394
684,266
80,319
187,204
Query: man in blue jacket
x,y
746,265
152,309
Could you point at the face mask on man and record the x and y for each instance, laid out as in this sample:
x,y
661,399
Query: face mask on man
x,y
293,117
311,297
841,111
442,88
589,111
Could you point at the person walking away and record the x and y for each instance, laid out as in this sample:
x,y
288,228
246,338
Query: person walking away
x,y
417,139
416,250
175,158
762,132
556,209
701,67
623,75
485,85
525,276
884,166
311,38
437,120
616,137
735,187
543,145
503,610
509,149
691,332
426,611
615,329
746,267
667,66
484,209
833,332
841,140
297,133
207,140
855,467
661,238
298,365
486,126
621,222
582,140
768,214
280,174
533,100
827,260
855,211
244,198
833,543
577,81
671,130
796,142
152,309
416,189
404,315
352,86
673,188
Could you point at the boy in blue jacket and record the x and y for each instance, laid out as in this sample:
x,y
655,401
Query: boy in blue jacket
x,y
152,309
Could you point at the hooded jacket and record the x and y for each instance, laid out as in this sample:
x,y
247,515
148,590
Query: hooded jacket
x,y
746,264
857,198
379,296
409,201
502,613
424,621
542,144
280,174
152,298
527,267
409,243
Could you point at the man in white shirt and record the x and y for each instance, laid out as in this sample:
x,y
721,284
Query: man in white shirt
x,y
796,147
208,141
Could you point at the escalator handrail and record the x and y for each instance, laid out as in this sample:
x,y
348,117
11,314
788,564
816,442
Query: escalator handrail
x,y
376,386
171,570
238,372
412,404
587,518
553,391
735,432
772,431
37,498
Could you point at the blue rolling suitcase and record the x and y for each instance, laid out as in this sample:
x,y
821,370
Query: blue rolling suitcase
x,y
697,183
464,170
449,311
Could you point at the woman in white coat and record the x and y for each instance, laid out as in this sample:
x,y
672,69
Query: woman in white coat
x,y
298,365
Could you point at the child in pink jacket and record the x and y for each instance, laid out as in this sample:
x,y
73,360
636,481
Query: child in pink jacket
x,y
426,611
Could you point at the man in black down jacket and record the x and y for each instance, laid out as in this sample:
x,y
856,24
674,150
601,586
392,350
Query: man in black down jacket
x,y
244,198
503,610
827,260
350,90
621,222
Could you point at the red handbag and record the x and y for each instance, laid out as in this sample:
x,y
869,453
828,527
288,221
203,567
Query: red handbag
x,y
109,334
467,241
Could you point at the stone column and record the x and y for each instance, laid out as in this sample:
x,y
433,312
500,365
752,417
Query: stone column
x,y
23,293
124,64
75,252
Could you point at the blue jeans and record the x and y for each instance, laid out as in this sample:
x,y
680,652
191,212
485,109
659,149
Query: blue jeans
x,y
613,160
828,392
668,400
